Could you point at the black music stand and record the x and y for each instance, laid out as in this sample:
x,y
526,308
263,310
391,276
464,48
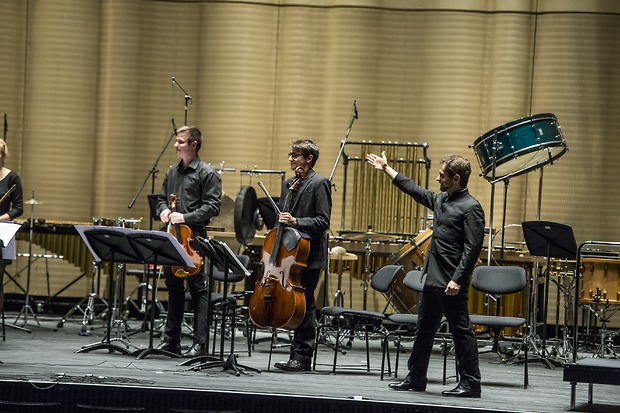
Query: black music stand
x,y
128,246
220,255
550,240
158,248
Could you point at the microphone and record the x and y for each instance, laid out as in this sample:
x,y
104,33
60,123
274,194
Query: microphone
x,y
174,125
355,109
173,81
6,126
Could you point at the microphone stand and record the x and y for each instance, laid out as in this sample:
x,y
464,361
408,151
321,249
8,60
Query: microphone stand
x,y
331,176
152,172
187,97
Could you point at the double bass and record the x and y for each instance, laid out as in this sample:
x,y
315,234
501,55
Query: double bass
x,y
278,300
184,235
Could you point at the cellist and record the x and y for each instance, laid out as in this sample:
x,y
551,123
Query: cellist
x,y
198,190
309,212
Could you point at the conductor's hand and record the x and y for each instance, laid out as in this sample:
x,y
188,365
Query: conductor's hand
x,y
452,288
379,162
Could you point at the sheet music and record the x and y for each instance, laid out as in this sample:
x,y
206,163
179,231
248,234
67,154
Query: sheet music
x,y
8,229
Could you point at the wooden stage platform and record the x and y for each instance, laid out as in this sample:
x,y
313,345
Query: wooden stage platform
x,y
41,372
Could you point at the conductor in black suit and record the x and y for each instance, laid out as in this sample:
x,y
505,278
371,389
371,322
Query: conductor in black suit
x,y
309,212
458,234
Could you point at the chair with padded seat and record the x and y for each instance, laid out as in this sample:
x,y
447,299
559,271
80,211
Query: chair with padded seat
x,y
498,281
344,321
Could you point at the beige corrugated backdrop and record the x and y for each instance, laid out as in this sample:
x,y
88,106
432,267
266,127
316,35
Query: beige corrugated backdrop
x,y
87,89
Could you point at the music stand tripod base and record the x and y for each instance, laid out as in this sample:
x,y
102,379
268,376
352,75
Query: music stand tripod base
x,y
127,246
229,364
220,254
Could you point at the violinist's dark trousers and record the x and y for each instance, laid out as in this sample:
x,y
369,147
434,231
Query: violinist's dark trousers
x,y
304,335
197,285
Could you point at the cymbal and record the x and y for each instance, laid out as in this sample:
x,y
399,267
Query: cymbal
x,y
373,236
33,201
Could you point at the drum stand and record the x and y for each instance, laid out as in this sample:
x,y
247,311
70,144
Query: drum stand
x,y
563,349
368,250
89,311
604,348
550,240
341,259
26,309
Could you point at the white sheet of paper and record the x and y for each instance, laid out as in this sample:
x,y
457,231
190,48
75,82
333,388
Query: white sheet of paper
x,y
8,229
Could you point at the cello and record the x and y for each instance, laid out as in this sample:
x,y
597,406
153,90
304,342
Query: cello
x,y
279,300
184,235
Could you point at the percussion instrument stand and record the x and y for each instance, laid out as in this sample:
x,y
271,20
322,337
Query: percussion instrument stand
x,y
366,273
89,311
531,335
341,259
604,348
143,289
548,239
118,320
564,349
339,295
27,308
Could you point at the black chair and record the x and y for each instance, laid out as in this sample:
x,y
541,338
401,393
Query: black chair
x,y
233,296
498,281
406,326
346,321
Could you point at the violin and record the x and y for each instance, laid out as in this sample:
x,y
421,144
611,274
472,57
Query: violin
x,y
184,235
279,300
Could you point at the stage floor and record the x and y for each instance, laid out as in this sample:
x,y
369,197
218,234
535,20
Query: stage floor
x,y
46,356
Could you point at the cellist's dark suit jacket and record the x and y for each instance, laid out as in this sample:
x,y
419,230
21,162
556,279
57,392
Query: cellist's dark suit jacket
x,y
458,234
311,206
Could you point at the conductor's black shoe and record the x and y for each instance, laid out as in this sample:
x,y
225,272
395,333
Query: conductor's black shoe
x,y
462,391
409,384
171,348
292,365
196,350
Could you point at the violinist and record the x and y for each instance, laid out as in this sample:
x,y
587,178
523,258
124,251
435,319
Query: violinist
x,y
198,190
309,212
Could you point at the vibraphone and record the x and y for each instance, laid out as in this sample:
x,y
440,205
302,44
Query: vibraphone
x,y
60,238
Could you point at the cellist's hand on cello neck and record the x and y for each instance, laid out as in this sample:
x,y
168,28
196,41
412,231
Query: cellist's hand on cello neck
x,y
287,218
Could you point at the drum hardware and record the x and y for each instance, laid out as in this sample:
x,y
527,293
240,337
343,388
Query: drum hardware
x,y
563,349
340,254
550,240
411,256
599,307
514,149
89,313
27,308
368,237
